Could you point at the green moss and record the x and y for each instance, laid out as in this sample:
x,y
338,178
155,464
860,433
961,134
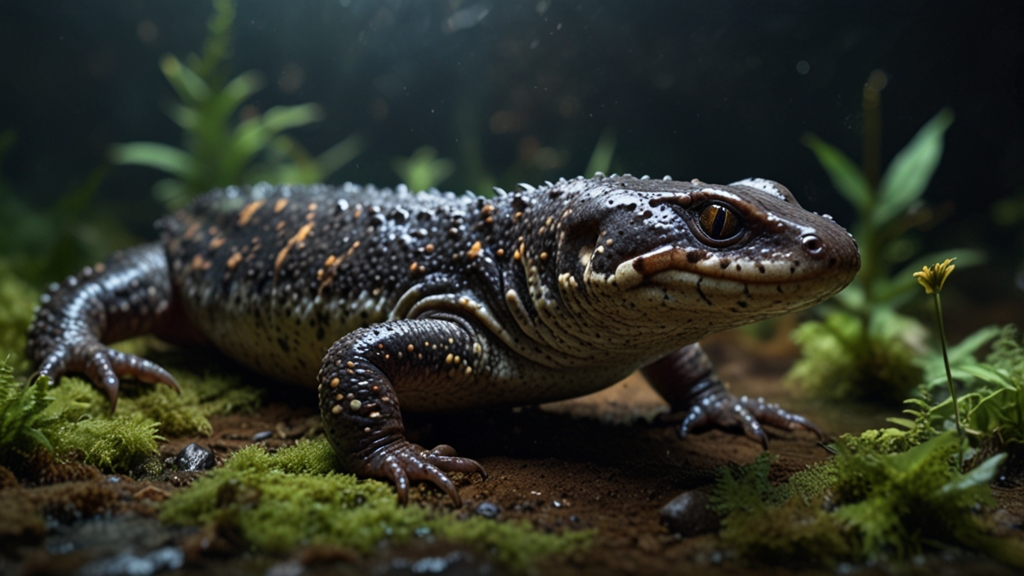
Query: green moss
x,y
281,501
177,414
862,505
114,444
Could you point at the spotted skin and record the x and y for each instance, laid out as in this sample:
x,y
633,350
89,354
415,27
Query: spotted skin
x,y
432,302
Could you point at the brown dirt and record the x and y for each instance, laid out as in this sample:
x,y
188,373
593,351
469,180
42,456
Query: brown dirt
x,y
592,462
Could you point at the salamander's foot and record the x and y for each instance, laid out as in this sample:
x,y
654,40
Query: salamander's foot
x,y
102,366
402,461
719,409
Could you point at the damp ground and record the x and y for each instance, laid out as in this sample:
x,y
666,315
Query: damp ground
x,y
593,463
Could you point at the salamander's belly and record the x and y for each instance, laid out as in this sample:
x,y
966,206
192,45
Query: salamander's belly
x,y
280,334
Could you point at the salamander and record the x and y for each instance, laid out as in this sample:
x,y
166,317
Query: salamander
x,y
387,300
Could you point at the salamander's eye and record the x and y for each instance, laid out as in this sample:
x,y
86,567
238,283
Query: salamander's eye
x,y
720,222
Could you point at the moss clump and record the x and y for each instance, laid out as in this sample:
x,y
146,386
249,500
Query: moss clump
x,y
861,505
112,444
842,358
65,420
187,413
293,498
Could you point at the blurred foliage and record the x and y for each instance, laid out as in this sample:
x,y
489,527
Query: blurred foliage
x,y
225,143
423,170
17,299
41,245
861,505
601,157
278,502
875,344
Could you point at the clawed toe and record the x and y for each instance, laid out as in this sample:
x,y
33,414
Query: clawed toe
x,y
104,367
402,462
727,411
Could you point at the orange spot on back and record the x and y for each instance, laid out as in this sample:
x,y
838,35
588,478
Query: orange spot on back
x,y
217,243
474,250
280,205
283,253
192,231
248,212
234,260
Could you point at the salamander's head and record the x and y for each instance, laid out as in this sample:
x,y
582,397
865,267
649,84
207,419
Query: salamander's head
x,y
663,252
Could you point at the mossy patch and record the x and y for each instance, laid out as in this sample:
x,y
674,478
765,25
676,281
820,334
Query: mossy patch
x,y
73,417
280,501
862,505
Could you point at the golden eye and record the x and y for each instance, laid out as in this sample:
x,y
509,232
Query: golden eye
x,y
719,222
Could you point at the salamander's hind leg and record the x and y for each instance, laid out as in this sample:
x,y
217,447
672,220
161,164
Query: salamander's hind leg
x,y
687,380
128,295
357,385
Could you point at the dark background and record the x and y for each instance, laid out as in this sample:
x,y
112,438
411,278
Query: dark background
x,y
714,90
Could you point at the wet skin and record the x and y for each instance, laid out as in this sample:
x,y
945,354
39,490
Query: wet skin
x,y
436,302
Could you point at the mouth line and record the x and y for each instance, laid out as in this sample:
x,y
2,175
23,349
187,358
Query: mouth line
x,y
707,264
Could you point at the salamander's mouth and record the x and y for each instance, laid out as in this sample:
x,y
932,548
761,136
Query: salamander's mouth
x,y
780,269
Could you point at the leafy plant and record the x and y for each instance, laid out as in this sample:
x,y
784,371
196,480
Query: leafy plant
x,y
864,327
22,418
992,404
223,142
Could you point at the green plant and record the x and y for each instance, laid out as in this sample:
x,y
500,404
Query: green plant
x,y
992,404
863,325
863,504
22,408
222,144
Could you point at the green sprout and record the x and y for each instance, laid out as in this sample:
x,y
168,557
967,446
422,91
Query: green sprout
x,y
223,141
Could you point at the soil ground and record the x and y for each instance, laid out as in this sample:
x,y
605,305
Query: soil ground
x,y
592,462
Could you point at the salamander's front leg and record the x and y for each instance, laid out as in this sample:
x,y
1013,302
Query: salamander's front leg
x,y
128,295
360,381
687,381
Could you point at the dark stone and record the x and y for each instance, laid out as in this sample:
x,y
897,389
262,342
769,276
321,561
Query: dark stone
x,y
194,458
690,514
488,510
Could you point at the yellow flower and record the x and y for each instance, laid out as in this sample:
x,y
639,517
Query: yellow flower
x,y
934,278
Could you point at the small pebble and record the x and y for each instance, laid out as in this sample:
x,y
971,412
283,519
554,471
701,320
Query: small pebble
x,y
261,436
689,514
488,510
194,458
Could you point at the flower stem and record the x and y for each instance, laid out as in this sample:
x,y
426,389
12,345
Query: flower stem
x,y
949,374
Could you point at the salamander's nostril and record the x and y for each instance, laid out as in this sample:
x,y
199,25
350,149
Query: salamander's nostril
x,y
813,244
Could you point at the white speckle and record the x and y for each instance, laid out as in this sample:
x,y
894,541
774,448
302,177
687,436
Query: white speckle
x,y
761,184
